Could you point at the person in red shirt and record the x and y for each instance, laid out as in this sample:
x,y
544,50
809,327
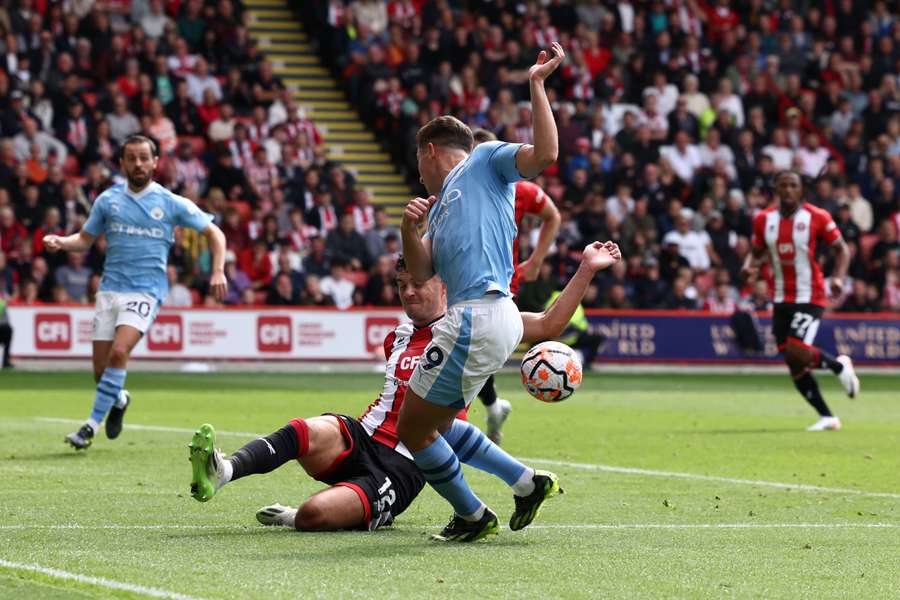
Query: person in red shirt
x,y
530,200
371,474
787,233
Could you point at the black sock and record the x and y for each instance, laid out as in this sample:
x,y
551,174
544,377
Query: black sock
x,y
809,389
488,393
827,361
6,342
265,454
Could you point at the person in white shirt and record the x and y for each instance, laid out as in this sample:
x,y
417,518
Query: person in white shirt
x,y
666,93
179,294
712,151
654,118
697,102
621,204
337,286
683,156
200,80
30,136
860,208
782,155
731,102
812,156
694,246
154,22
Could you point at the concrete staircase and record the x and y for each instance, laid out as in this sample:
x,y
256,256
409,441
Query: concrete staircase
x,y
283,41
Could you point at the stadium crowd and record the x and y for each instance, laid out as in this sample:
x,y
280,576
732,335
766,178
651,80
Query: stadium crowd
x,y
673,116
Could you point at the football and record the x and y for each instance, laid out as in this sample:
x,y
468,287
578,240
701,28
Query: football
x,y
551,371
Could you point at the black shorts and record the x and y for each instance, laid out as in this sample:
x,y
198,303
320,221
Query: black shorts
x,y
386,481
798,321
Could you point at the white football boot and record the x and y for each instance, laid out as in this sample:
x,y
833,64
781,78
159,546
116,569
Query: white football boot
x,y
825,424
496,417
848,376
276,514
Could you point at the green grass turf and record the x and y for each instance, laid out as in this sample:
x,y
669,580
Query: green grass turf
x,y
746,427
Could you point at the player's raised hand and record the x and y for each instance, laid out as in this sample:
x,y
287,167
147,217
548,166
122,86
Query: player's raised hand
x,y
417,211
837,286
51,243
528,270
218,285
599,255
545,63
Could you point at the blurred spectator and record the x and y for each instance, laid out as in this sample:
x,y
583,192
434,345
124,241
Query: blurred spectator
x,y
73,277
179,294
313,295
338,286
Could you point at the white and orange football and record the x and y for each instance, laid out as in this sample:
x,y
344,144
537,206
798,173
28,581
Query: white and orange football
x,y
551,371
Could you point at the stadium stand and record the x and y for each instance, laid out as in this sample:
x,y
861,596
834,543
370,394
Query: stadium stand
x,y
673,117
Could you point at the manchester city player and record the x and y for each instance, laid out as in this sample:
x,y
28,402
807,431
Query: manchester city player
x,y
138,220
468,242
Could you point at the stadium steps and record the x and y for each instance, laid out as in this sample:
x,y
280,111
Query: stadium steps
x,y
275,27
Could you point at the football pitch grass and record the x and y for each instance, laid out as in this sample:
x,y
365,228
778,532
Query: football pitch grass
x,y
682,486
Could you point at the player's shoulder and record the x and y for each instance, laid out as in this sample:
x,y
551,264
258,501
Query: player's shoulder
x,y
527,188
484,151
764,213
403,331
114,191
817,212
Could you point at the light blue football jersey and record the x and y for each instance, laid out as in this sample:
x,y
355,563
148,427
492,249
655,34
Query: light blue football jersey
x,y
472,225
139,230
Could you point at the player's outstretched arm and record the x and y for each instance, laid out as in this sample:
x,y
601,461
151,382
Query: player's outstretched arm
x,y
531,160
551,323
550,221
417,249
77,242
841,264
218,285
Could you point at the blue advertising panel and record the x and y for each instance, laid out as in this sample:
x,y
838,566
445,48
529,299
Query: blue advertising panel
x,y
707,338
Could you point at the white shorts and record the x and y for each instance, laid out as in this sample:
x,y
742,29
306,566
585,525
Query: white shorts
x,y
112,309
471,343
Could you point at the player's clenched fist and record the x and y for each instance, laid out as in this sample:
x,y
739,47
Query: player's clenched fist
x,y
51,243
417,211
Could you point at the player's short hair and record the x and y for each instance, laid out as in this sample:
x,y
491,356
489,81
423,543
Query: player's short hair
x,y
138,139
483,135
401,264
785,172
446,131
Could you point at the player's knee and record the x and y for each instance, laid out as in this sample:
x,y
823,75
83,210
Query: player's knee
x,y
313,516
118,356
414,437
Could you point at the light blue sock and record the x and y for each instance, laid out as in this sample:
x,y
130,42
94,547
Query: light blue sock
x,y
111,383
475,449
443,472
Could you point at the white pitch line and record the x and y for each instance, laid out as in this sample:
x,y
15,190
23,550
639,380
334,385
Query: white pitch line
x,y
800,487
97,581
580,526
159,428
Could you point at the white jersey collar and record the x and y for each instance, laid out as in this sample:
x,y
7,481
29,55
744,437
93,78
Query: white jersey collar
x,y
137,196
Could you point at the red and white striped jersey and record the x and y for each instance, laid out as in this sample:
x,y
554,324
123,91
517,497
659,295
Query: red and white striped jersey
x,y
791,243
403,348
530,200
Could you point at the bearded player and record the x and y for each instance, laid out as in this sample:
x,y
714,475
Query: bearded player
x,y
787,232
371,474
138,219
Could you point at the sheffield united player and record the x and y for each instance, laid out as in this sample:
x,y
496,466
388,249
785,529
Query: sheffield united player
x,y
530,200
788,232
371,473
